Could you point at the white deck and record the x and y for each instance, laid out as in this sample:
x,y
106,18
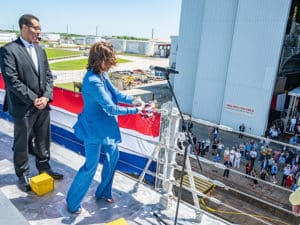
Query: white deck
x,y
136,208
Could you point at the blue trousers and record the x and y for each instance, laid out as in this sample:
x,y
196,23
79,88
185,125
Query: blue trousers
x,y
85,175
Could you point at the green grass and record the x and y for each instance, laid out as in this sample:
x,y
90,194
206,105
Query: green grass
x,y
68,86
133,54
123,60
78,64
53,53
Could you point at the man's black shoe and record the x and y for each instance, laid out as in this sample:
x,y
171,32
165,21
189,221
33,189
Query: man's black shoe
x,y
54,175
24,184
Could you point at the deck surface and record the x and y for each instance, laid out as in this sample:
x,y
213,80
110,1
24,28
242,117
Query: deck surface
x,y
135,207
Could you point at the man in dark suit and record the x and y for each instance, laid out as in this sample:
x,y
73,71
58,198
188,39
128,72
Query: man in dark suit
x,y
28,84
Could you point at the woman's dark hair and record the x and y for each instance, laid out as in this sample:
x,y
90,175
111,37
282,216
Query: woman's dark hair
x,y
101,52
26,20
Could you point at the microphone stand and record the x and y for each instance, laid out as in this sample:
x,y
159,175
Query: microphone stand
x,y
167,73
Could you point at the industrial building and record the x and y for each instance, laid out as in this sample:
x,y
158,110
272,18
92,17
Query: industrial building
x,y
50,37
159,48
235,58
7,36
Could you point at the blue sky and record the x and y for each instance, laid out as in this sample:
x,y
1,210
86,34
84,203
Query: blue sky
x,y
112,17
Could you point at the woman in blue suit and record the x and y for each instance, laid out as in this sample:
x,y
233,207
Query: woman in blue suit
x,y
97,126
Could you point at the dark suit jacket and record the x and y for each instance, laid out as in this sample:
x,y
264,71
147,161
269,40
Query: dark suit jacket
x,y
23,83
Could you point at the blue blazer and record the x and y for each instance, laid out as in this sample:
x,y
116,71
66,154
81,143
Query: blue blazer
x,y
97,123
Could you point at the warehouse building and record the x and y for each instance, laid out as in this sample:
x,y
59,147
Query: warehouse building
x,y
234,59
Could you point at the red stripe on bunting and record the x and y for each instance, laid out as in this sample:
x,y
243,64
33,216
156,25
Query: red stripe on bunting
x,y
68,100
2,86
146,125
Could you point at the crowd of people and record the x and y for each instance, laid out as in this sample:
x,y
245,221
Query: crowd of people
x,y
260,158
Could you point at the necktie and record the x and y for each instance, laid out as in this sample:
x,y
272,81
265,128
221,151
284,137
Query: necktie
x,y
33,56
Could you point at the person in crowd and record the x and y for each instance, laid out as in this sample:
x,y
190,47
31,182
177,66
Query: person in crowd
x,y
297,127
237,159
294,140
281,161
190,125
297,181
263,174
248,168
293,121
264,164
269,153
226,154
215,133
248,148
28,84
221,147
274,132
242,147
276,153
202,148
267,141
214,147
263,153
274,171
242,130
232,155
271,162
97,126
297,158
202,144
289,181
227,165
253,155
194,138
255,175
207,144
286,173
289,156
294,169
217,158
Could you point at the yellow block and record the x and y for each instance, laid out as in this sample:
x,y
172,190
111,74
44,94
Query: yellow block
x,y
120,221
42,184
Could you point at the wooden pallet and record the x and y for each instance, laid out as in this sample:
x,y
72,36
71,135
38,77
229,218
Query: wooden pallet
x,y
201,185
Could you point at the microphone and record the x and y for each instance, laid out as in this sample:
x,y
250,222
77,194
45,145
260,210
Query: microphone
x,y
166,70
